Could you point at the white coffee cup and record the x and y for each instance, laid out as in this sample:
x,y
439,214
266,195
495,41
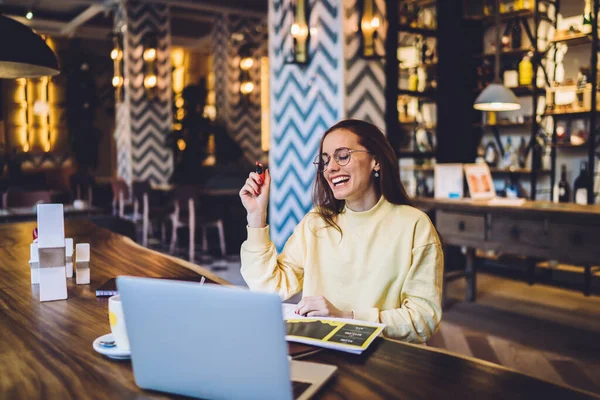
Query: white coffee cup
x,y
117,322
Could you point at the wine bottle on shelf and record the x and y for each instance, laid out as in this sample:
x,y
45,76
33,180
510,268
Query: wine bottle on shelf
x,y
587,17
510,155
422,83
491,154
515,34
564,189
581,185
413,80
422,189
525,71
511,76
522,153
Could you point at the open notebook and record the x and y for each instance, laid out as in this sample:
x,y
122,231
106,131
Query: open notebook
x,y
347,335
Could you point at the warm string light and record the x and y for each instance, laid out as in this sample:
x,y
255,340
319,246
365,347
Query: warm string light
x,y
210,110
246,64
25,132
246,87
117,56
178,61
45,115
151,70
149,54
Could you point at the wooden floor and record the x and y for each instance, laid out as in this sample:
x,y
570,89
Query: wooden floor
x,y
543,331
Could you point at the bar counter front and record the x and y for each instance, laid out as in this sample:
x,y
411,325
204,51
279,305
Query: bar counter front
x,y
46,348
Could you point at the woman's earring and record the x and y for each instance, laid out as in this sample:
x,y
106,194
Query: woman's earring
x,y
376,174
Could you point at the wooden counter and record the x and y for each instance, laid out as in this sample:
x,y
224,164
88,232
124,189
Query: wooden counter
x,y
565,232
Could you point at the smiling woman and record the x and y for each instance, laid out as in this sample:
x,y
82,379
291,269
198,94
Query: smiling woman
x,y
363,252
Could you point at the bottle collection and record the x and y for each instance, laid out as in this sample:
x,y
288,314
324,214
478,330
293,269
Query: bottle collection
x,y
563,192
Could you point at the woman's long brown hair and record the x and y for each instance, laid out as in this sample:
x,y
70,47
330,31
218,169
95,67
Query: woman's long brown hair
x,y
388,184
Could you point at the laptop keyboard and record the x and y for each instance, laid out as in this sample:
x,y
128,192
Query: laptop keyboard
x,y
299,387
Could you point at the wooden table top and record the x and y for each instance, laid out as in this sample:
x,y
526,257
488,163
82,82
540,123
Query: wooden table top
x,y
529,206
46,348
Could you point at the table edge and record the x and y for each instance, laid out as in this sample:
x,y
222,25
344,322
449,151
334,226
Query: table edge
x,y
184,263
492,365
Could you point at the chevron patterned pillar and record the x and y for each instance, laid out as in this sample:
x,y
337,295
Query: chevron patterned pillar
x,y
143,122
306,100
220,38
364,79
239,113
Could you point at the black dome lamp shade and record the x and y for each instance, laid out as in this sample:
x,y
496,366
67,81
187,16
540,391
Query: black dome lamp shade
x,y
23,53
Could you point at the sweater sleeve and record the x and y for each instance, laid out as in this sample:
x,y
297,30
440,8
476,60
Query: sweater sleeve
x,y
263,269
420,310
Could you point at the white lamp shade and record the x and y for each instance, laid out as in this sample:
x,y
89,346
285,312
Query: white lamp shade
x,y
496,97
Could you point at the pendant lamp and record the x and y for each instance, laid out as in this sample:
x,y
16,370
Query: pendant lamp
x,y
23,53
496,96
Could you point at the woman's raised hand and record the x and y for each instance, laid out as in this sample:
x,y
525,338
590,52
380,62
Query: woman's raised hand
x,y
255,198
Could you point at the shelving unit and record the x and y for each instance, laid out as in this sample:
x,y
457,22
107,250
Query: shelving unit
x,y
417,31
402,34
510,53
522,18
507,16
580,39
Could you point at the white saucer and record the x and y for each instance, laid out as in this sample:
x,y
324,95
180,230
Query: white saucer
x,y
111,352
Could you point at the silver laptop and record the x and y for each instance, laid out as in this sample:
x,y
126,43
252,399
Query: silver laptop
x,y
212,342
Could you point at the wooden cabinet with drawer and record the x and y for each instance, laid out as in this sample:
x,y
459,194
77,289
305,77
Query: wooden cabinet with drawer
x,y
576,243
461,225
518,231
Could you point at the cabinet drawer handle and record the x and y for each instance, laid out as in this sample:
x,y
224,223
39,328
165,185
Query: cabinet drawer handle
x,y
461,226
576,239
515,232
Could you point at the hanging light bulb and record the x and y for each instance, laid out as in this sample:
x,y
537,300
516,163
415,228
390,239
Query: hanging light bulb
x,y
149,54
246,87
246,63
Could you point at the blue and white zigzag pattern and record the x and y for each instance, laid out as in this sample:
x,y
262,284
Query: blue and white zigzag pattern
x,y
150,119
305,101
365,79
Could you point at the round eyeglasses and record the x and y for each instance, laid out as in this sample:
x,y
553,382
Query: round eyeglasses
x,y
341,157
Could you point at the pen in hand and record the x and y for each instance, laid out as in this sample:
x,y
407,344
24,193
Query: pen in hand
x,y
260,171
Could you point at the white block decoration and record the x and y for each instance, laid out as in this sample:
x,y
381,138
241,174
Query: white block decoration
x,y
69,257
82,263
34,263
51,252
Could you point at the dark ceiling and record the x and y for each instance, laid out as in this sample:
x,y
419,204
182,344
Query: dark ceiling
x,y
191,20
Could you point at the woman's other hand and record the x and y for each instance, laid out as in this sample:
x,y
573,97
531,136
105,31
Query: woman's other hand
x,y
319,306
